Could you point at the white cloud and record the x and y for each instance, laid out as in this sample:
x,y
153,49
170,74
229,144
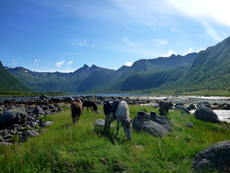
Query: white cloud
x,y
210,31
129,42
59,64
129,64
78,42
169,54
36,62
69,63
215,11
189,51
161,42
14,62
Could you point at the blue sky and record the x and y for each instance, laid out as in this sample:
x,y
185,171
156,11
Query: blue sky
x,y
63,35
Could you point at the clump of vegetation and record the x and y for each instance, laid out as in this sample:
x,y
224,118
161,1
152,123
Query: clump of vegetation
x,y
26,128
47,118
15,139
68,148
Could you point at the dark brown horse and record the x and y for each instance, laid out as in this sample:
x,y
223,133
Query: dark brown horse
x,y
76,109
164,107
89,104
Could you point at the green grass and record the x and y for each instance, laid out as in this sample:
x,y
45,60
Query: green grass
x,y
68,148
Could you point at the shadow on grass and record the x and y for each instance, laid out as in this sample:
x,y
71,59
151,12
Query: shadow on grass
x,y
114,140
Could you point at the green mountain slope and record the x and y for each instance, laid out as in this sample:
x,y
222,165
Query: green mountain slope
x,y
9,82
159,64
211,68
140,81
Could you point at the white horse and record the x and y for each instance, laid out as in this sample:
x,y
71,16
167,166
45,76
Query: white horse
x,y
121,114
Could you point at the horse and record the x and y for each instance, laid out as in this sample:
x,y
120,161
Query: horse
x,y
89,104
76,109
164,107
121,114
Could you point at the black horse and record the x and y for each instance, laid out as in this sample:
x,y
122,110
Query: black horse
x,y
89,104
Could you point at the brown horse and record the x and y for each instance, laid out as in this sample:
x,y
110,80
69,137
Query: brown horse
x,y
89,104
76,109
164,107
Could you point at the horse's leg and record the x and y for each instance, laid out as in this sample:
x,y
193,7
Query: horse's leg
x,y
117,128
78,119
107,123
90,108
74,118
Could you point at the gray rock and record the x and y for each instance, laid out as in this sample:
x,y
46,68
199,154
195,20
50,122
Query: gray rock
x,y
28,134
8,135
51,106
155,105
189,124
162,121
192,106
154,125
5,143
215,157
151,127
182,108
99,123
13,116
48,123
38,110
204,113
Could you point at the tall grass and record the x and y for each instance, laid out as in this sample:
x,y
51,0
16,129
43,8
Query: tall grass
x,y
68,148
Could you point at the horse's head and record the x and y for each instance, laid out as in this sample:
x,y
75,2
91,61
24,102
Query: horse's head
x,y
94,105
126,123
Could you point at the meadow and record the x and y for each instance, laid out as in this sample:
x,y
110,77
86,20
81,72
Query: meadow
x,y
68,148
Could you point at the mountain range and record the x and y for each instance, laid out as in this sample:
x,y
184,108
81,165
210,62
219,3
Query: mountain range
x,y
9,82
208,69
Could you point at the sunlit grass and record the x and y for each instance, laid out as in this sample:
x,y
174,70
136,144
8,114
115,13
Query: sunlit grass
x,y
68,148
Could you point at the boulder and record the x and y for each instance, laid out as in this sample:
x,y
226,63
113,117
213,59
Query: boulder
x,y
192,106
43,97
204,103
161,120
153,124
38,110
214,158
182,108
100,123
69,99
13,116
204,113
27,134
179,104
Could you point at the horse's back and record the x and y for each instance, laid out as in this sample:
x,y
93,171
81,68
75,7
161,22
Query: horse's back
x,y
122,110
76,107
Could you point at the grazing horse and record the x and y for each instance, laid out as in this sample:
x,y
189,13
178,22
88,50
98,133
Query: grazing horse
x,y
76,109
164,107
121,114
89,104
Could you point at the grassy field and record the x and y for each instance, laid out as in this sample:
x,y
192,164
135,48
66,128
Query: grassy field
x,y
68,148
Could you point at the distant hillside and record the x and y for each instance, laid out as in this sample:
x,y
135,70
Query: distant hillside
x,y
143,74
61,82
211,68
9,82
160,64
145,80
